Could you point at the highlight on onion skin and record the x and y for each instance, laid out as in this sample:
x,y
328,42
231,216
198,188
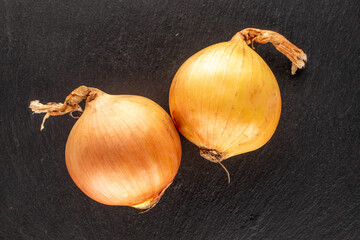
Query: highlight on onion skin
x,y
123,150
225,99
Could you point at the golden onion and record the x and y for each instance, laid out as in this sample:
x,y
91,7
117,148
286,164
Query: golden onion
x,y
124,150
225,99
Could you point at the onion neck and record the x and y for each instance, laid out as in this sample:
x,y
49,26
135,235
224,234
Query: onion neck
x,y
295,54
71,103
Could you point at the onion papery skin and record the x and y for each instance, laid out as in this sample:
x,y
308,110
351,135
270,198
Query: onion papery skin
x,y
123,150
225,99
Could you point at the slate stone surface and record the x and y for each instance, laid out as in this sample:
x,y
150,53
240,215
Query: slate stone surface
x,y
303,184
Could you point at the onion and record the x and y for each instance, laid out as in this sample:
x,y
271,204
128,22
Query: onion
x,y
225,99
124,150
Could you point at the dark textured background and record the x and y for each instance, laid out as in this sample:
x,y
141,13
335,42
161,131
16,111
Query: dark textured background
x,y
303,184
